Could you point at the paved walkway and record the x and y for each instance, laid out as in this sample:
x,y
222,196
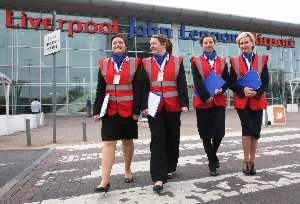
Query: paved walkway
x,y
69,171
69,130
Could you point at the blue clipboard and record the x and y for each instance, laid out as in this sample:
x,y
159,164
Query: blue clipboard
x,y
251,79
212,82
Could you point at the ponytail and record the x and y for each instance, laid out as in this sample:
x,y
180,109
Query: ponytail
x,y
169,46
163,39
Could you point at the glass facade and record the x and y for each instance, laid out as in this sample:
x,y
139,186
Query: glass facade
x,y
22,59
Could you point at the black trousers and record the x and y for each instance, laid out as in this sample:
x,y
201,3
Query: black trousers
x,y
211,122
164,146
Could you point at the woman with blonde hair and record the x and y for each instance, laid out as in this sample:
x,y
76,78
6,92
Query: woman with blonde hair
x,y
249,98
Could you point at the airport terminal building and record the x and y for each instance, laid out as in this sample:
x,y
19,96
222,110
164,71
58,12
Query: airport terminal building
x,y
87,26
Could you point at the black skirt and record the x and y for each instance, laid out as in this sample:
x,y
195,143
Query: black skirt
x,y
211,122
251,121
117,128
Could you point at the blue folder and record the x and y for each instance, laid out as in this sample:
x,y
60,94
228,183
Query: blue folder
x,y
251,79
212,82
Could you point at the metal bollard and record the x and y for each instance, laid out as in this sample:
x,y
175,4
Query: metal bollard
x,y
266,118
84,128
28,135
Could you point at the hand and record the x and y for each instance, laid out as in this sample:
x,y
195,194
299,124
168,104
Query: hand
x,y
247,90
145,111
211,99
97,117
219,91
184,109
135,117
251,94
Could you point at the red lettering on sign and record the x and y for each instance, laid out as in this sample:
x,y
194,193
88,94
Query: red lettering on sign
x,y
281,42
9,20
47,22
71,27
255,37
116,27
24,20
272,42
292,42
61,23
95,27
35,24
105,24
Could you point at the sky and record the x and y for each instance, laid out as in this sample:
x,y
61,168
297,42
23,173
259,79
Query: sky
x,y
287,11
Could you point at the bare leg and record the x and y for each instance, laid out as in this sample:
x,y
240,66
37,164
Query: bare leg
x,y
108,158
246,146
253,147
128,150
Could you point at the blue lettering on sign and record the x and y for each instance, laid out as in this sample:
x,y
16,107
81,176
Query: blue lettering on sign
x,y
150,29
141,30
183,33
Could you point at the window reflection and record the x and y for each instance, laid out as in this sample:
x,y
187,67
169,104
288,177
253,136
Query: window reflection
x,y
79,76
6,57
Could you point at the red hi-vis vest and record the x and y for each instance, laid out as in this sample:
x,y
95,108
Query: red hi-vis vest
x,y
240,69
204,69
121,95
168,87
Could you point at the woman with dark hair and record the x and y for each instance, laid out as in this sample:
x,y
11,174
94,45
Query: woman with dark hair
x,y
249,101
118,78
210,107
166,77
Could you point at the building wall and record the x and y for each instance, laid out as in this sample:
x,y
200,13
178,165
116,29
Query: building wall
x,y
22,59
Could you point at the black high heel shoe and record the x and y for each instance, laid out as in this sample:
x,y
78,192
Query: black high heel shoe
x,y
252,168
212,169
102,189
247,169
129,180
158,188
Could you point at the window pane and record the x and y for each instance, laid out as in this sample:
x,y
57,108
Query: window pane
x,y
60,59
7,71
2,20
79,76
5,36
233,50
81,41
25,94
101,42
27,37
97,55
47,78
27,74
77,95
6,57
27,56
185,46
79,58
47,95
